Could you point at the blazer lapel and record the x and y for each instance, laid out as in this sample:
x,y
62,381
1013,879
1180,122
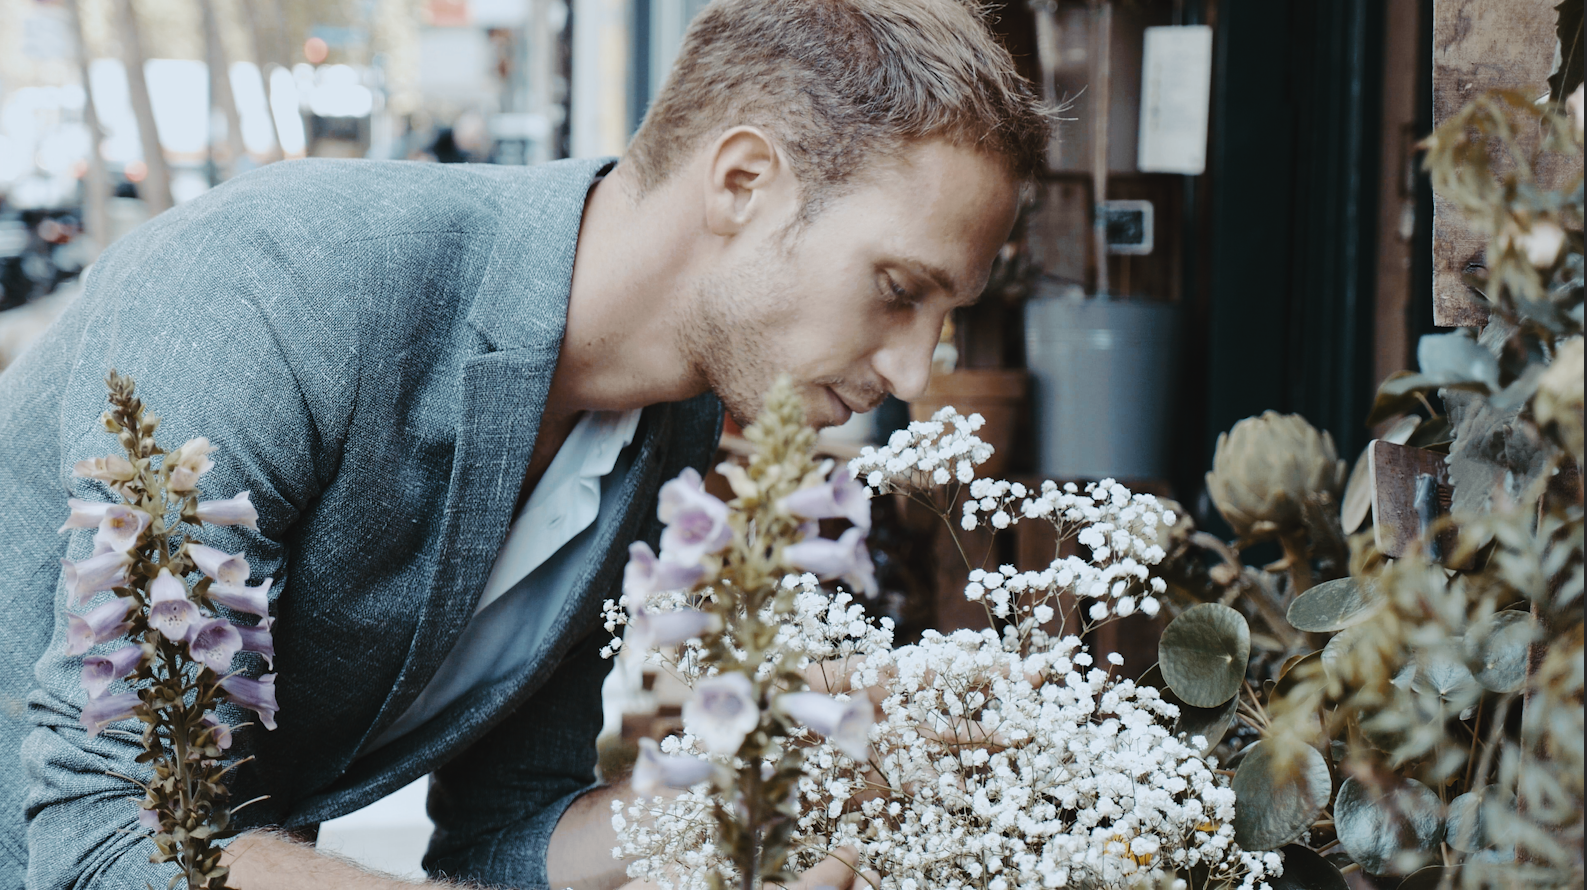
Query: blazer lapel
x,y
520,314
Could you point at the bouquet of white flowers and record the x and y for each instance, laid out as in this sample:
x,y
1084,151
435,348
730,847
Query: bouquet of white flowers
x,y
1002,759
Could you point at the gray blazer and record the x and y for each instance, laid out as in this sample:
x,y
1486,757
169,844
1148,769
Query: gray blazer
x,y
370,346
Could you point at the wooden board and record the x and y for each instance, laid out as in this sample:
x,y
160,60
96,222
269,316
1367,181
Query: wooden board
x,y
1395,469
1480,45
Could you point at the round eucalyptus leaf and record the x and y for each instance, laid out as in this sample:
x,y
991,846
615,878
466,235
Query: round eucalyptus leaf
x,y
1203,654
1466,827
1441,672
1304,869
1424,879
1279,790
1382,831
1337,652
1496,650
1211,724
1333,605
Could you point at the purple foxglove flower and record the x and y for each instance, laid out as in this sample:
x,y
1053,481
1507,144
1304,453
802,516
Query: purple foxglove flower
x,y
106,469
841,496
722,712
258,696
242,598
107,709
99,671
188,463
170,611
257,639
847,724
649,630
654,770
148,819
119,529
229,569
646,575
696,521
845,558
86,577
232,511
221,730
85,514
214,643
97,625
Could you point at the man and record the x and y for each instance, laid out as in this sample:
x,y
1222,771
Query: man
x,y
454,392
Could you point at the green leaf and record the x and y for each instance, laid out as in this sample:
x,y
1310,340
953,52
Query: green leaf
x,y
1382,832
1397,395
1279,790
1212,724
1333,605
1304,869
1441,672
1496,650
1336,654
1203,654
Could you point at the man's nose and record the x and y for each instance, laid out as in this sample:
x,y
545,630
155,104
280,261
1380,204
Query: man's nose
x,y
904,361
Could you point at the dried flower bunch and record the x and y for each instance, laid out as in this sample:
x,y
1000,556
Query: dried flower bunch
x,y
1365,687
1003,759
173,664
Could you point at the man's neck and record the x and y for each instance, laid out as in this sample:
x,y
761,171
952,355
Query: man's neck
x,y
630,286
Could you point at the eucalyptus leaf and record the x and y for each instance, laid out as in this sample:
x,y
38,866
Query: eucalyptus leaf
x,y
1382,831
1496,650
1441,672
1203,654
1304,869
1337,652
1211,724
1333,605
1397,395
1457,359
1466,828
1279,790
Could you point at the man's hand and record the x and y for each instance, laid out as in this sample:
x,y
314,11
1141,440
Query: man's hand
x,y
836,872
263,860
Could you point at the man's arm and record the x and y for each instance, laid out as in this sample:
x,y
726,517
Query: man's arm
x,y
580,853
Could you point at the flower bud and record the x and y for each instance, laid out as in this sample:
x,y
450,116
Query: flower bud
x,y
236,510
1266,467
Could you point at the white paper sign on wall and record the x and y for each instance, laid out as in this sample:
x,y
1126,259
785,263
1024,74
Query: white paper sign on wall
x,y
1176,83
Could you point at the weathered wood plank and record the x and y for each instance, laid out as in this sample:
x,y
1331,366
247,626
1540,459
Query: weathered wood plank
x,y
1479,45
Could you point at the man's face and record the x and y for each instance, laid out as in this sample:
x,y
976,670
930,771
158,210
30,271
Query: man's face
x,y
852,304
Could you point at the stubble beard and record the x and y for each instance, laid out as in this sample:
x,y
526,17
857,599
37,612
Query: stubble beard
x,y
729,344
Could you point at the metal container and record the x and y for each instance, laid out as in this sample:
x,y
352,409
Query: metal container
x,y
1102,376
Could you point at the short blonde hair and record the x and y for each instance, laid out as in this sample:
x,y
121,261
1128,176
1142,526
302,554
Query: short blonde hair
x,y
836,81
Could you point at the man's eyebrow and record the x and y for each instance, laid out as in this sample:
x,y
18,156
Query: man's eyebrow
x,y
937,274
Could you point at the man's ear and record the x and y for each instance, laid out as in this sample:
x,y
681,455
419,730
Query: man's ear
x,y
746,177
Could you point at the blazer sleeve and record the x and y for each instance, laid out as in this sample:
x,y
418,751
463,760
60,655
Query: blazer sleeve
x,y
200,333
496,804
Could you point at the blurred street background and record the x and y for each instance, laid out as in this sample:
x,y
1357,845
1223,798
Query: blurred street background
x,y
183,94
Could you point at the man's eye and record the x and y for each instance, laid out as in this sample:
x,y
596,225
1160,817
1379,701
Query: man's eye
x,y
897,293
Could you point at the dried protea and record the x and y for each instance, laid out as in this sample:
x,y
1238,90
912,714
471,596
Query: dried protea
x,y
1264,470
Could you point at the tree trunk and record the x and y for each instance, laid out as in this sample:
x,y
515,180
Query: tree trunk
x,y
266,61
220,92
96,183
155,189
